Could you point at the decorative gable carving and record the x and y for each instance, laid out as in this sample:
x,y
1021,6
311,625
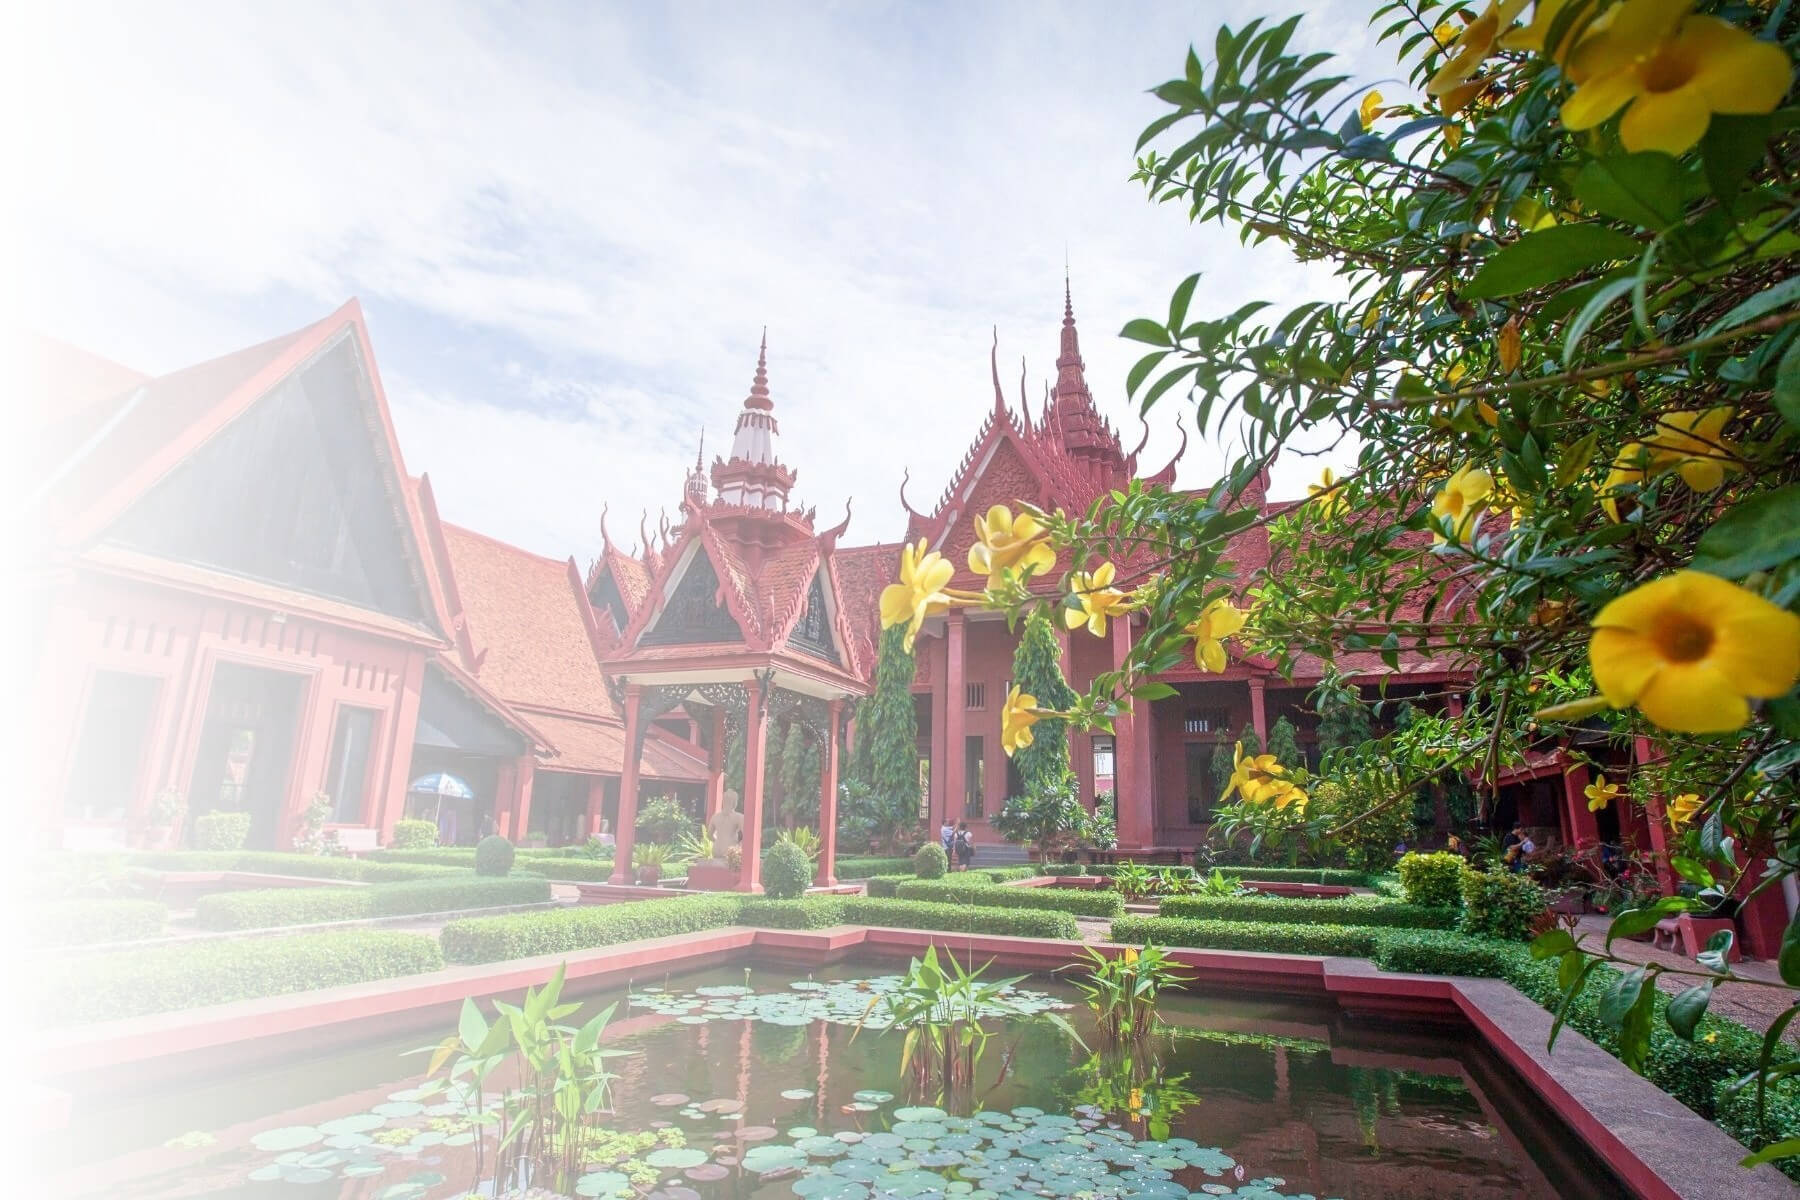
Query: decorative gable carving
x,y
694,613
812,633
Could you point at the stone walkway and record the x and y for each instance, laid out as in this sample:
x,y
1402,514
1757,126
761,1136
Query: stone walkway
x,y
1748,1004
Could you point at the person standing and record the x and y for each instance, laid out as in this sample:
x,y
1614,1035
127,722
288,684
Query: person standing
x,y
965,846
947,836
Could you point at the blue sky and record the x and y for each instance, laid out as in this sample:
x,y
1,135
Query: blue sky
x,y
569,224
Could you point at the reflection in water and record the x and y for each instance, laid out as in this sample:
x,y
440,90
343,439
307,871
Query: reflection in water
x,y
770,1091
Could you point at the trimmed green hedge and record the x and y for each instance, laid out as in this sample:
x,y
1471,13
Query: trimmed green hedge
x,y
1335,876
263,908
862,868
1440,952
1296,911
886,886
1736,1114
988,895
524,935
1352,941
574,870
273,862
136,983
819,912
91,922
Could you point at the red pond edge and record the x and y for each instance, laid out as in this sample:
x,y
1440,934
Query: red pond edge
x,y
1659,1148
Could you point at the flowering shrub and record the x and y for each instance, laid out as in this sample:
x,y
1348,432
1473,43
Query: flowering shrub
x,y
1434,880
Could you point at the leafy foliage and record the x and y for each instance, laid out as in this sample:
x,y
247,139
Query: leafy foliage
x,y
493,855
786,871
1049,817
220,830
1432,879
931,862
887,729
1037,671
1503,905
414,835
662,820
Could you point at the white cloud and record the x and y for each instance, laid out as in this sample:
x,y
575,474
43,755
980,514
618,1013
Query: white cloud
x,y
569,227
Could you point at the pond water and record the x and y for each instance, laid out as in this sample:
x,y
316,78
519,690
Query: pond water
x,y
760,1084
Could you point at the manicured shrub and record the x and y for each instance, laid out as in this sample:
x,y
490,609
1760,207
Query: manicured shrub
x,y
1436,952
1001,874
221,830
91,922
266,907
134,983
524,935
1334,876
271,862
493,855
822,912
1736,1114
1282,909
885,886
1434,880
1501,905
786,872
414,835
930,862
1355,941
571,870
988,895
863,868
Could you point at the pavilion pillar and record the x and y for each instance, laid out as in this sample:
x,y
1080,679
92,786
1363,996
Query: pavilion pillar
x,y
1642,754
1081,743
715,766
938,785
519,803
1259,714
1579,825
596,805
756,732
1133,772
828,793
389,801
955,725
628,789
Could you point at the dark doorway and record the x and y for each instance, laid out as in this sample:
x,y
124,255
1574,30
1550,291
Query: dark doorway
x,y
247,747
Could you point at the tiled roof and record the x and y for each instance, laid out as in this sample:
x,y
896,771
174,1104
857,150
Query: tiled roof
x,y
862,571
531,642
599,747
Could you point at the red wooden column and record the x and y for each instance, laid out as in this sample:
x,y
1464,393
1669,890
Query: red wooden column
x,y
390,798
1133,773
756,732
715,765
828,792
937,797
1579,825
955,727
1259,714
1081,744
1643,753
628,790
520,805
596,805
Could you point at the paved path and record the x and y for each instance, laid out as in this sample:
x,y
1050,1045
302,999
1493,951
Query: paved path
x,y
1747,1004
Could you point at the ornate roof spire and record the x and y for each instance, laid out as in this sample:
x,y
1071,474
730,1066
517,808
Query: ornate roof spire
x,y
1069,378
753,476
759,386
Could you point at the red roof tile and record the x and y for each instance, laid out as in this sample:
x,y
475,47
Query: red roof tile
x,y
599,747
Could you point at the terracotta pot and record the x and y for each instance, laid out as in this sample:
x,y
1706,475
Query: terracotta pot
x,y
649,874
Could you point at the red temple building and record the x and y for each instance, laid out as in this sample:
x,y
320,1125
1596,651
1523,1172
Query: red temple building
x,y
242,600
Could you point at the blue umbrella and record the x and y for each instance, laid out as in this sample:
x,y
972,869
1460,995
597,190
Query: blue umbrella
x,y
440,784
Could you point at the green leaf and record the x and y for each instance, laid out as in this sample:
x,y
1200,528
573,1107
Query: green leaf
x,y
1691,870
1642,188
1145,330
1766,301
1686,1009
1552,943
1731,149
1633,921
1786,1149
1786,397
1715,957
1546,256
1178,303
1788,960
471,1026
1753,535
1619,997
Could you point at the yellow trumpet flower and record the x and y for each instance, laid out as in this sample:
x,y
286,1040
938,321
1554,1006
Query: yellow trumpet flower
x,y
1095,599
1455,84
1017,717
920,593
1327,496
1255,777
1682,808
1457,508
1670,70
1004,542
1216,622
1601,793
1693,443
1691,651
1370,109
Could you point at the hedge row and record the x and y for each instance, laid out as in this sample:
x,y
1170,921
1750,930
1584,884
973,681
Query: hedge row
x,y
275,863
886,886
1297,911
863,867
1335,876
820,912
987,895
1353,941
137,983
523,935
90,922
266,907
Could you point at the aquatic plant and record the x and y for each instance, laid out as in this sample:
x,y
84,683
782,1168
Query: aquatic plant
x,y
555,1082
1134,1086
1122,990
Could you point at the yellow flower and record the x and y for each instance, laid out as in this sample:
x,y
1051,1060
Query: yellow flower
x,y
1601,793
1095,599
1135,1101
1671,71
1004,542
1627,471
1690,650
1216,622
1328,497
1508,345
1536,32
1454,84
1256,777
1286,794
1457,509
1370,109
1682,808
1016,719
1691,442
920,593
1131,955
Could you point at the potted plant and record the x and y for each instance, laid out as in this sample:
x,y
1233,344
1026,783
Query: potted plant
x,y
648,858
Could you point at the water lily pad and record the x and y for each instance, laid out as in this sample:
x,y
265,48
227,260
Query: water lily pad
x,y
288,1137
360,1170
669,1099
399,1108
861,1106
602,1183
724,1104
358,1123
918,1112
707,1173
797,1094
801,1131
768,1159
676,1157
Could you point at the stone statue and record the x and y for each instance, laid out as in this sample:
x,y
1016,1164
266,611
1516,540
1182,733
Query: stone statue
x,y
726,825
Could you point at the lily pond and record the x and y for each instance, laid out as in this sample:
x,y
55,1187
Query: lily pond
x,y
772,1084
